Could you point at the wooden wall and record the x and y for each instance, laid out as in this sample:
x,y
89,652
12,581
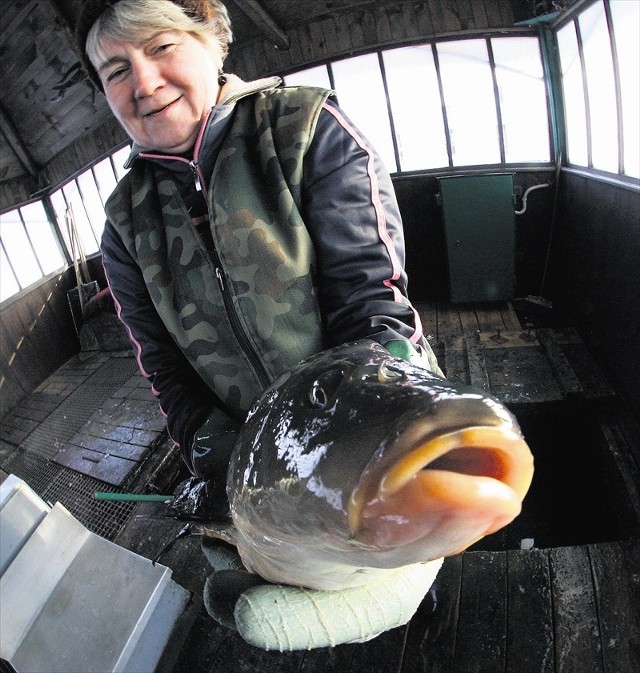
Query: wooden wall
x,y
596,273
367,26
37,334
36,337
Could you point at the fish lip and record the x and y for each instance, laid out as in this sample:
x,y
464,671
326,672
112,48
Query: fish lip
x,y
505,443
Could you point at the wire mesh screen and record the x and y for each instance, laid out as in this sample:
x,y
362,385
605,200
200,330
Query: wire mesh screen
x,y
75,491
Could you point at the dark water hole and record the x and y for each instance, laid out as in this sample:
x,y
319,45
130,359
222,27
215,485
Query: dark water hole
x,y
577,496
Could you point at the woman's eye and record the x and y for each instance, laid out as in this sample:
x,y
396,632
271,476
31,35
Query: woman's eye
x,y
163,48
116,74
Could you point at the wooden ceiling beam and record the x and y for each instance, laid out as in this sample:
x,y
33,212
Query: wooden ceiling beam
x,y
15,142
264,22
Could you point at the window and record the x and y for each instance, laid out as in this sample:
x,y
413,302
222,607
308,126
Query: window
x,y
19,249
625,18
318,76
105,178
523,99
574,101
600,56
601,93
118,160
452,103
87,237
8,279
41,235
470,102
416,107
29,249
358,83
29,245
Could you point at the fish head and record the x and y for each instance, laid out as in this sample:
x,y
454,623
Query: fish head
x,y
363,454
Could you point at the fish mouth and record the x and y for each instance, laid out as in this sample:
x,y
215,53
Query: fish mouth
x,y
445,494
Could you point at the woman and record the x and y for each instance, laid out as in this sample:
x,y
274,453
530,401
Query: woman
x,y
255,227
299,243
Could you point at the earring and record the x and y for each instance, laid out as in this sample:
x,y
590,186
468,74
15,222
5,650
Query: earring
x,y
222,79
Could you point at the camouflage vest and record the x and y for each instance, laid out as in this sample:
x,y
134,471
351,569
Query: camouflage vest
x,y
249,312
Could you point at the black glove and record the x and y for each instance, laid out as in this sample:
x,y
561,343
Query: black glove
x,y
212,446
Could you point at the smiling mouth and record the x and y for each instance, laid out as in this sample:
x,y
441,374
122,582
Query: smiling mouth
x,y
156,112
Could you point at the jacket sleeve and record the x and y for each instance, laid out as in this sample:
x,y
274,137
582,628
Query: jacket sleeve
x,y
184,398
351,211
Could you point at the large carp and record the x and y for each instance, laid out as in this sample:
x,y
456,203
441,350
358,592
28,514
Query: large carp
x,y
357,462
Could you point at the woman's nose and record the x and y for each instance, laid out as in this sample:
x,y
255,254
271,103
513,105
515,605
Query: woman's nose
x,y
147,78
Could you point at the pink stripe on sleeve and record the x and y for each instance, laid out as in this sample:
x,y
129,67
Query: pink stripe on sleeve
x,y
380,215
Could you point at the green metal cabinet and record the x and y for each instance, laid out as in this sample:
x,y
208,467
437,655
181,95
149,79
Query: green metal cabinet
x,y
479,222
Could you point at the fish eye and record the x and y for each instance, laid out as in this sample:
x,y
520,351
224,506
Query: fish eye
x,y
325,387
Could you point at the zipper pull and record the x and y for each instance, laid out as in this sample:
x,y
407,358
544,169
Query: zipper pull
x,y
196,176
220,278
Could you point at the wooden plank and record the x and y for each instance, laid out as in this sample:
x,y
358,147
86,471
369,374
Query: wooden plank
x,y
108,447
13,435
562,369
518,370
199,648
617,581
234,652
433,633
630,429
576,631
499,14
510,318
96,429
594,383
380,655
456,364
482,626
27,413
622,451
477,368
429,319
383,27
327,660
110,469
529,613
448,321
489,317
468,319
479,11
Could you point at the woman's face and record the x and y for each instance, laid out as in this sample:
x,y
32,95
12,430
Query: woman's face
x,y
160,89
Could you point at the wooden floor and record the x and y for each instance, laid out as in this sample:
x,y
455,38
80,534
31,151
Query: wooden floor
x,y
558,610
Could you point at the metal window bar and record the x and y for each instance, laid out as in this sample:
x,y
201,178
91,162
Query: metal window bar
x,y
87,215
616,83
436,62
585,88
392,126
496,94
33,250
11,267
47,204
95,179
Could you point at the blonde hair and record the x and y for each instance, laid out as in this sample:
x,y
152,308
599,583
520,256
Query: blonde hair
x,y
133,20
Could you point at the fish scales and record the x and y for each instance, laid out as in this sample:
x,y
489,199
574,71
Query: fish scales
x,y
356,462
